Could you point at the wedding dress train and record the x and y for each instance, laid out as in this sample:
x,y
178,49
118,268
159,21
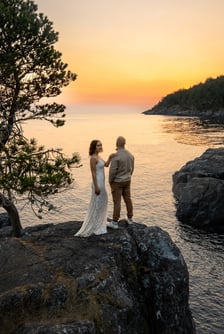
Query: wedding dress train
x,y
96,216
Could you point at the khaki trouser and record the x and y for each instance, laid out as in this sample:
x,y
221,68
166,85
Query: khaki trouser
x,y
118,190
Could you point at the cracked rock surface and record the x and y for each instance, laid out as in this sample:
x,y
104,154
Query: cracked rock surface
x,y
130,280
198,188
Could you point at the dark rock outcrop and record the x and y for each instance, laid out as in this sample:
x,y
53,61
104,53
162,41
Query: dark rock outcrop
x,y
177,110
131,280
174,110
198,188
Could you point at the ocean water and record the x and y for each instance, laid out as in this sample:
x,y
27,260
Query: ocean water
x,y
161,145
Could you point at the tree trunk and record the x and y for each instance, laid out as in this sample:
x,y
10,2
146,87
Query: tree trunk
x,y
13,215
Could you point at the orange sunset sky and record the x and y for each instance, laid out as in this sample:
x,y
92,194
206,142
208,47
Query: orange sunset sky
x,y
136,51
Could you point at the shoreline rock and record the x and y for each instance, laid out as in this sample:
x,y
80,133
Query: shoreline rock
x,y
177,110
198,188
131,280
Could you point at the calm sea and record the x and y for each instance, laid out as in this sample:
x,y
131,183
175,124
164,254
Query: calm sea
x,y
161,145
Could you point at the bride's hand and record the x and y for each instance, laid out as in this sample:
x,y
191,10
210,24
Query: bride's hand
x,y
97,191
111,156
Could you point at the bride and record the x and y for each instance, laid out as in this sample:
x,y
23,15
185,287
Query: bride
x,y
96,216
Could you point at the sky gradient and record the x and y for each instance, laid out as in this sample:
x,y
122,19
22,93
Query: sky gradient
x,y
136,51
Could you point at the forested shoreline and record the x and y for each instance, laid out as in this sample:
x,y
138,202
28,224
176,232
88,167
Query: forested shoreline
x,y
202,99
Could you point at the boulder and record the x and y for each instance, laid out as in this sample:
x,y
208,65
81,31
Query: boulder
x,y
198,188
131,280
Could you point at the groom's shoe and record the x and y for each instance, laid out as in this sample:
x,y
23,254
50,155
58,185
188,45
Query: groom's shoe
x,y
130,221
112,224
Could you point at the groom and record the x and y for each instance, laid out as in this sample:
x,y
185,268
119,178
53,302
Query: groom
x,y
120,172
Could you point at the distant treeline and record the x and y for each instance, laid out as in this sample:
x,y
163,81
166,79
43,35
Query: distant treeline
x,y
204,96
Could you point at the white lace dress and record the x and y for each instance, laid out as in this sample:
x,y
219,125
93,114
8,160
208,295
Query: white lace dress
x,y
96,216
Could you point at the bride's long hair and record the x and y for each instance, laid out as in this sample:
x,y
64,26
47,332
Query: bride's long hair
x,y
92,147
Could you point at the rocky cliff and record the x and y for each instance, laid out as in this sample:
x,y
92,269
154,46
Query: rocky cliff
x,y
131,280
198,188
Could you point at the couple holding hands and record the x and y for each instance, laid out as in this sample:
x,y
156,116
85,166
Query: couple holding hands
x,y
121,167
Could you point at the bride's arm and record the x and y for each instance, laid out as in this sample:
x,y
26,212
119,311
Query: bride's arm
x,y
93,163
107,163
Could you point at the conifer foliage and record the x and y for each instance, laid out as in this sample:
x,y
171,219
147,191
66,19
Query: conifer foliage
x,y
30,69
201,97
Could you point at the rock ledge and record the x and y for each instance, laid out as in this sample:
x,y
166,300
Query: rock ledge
x,y
198,188
131,280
